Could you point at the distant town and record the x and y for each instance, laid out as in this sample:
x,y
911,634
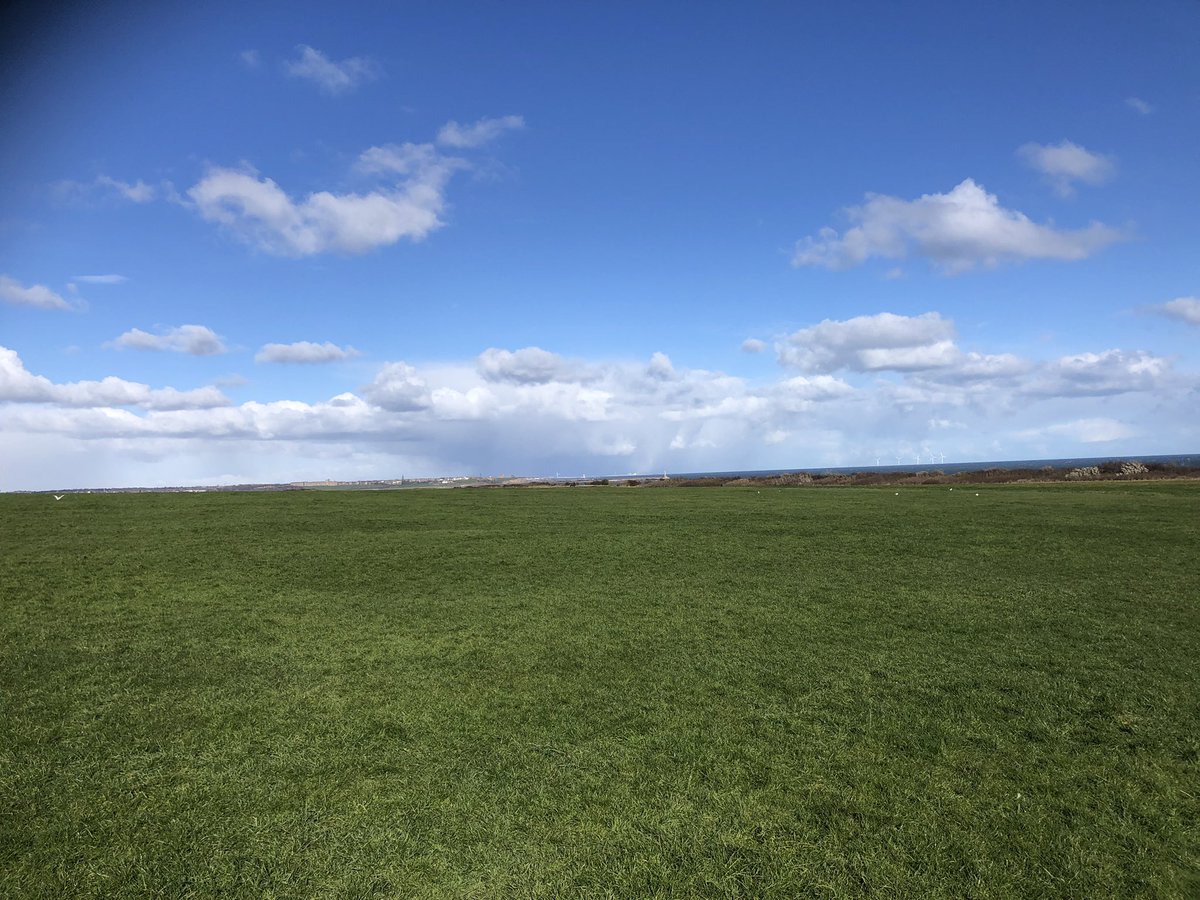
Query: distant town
x,y
328,484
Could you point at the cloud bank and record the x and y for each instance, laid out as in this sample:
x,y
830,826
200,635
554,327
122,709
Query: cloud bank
x,y
18,385
843,384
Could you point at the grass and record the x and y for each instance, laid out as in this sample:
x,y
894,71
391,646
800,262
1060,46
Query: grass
x,y
602,692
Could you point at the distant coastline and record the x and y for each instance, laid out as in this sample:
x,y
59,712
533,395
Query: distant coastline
x,y
1102,468
1178,460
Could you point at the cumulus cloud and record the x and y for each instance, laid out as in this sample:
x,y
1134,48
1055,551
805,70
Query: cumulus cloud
x,y
12,291
872,343
1185,309
529,365
195,340
798,394
972,366
1066,163
937,371
661,367
451,404
957,231
331,77
18,385
1101,374
753,345
397,387
258,211
478,133
304,352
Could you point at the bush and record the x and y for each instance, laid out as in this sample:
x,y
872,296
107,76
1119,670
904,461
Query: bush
x,y
1133,467
869,478
1084,472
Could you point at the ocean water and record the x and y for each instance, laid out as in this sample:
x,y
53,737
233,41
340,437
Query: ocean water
x,y
1178,459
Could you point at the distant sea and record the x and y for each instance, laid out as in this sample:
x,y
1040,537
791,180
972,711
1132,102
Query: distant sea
x,y
1178,459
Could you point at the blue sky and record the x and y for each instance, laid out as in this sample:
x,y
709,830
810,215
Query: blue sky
x,y
248,242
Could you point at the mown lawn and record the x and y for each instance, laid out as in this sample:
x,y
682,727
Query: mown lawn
x,y
602,692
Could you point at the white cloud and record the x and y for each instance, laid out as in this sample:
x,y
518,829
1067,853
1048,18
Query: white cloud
x,y
304,352
727,407
974,366
18,385
872,343
405,159
529,365
800,393
397,387
1066,163
660,367
956,231
100,279
196,340
332,77
1185,309
250,58
105,185
137,192
478,133
1139,105
1086,431
570,402
753,345
517,411
450,404
12,291
259,212
937,371
1101,374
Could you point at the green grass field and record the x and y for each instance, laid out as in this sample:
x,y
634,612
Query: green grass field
x,y
602,692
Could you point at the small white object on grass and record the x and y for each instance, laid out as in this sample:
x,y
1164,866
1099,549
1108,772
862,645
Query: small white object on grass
x,y
59,496
897,493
